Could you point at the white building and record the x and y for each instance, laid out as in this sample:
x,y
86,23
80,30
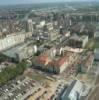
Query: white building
x,y
49,26
84,40
11,40
42,23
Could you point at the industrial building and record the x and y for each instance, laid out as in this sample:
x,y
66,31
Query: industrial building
x,y
78,41
21,52
75,91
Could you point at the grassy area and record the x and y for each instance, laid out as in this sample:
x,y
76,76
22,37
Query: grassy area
x,y
92,44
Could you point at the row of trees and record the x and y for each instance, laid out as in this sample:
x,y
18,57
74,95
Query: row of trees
x,y
12,72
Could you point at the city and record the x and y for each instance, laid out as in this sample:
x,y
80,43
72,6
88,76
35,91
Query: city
x,y
49,50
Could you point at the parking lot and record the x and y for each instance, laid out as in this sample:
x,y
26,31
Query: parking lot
x,y
18,89
49,93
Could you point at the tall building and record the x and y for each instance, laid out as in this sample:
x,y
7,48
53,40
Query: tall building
x,y
29,25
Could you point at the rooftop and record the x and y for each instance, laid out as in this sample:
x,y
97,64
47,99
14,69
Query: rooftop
x,y
75,87
79,38
96,50
43,59
58,61
96,34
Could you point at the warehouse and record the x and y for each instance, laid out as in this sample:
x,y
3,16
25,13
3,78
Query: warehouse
x,y
76,91
20,52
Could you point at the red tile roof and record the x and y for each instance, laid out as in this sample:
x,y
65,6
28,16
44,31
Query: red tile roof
x,y
43,59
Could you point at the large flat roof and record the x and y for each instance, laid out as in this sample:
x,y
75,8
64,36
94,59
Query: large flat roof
x,y
11,52
75,87
68,90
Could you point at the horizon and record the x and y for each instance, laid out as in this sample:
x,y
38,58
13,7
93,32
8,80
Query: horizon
x,y
18,2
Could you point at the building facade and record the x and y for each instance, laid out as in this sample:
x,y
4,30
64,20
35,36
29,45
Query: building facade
x,y
96,54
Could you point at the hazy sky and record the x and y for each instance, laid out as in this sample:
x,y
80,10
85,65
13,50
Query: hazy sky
x,y
6,2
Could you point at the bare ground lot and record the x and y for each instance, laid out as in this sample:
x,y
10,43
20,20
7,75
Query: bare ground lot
x,y
94,95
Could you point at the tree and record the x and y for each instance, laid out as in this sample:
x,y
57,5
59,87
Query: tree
x,y
12,72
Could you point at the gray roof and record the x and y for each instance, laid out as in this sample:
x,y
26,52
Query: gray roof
x,y
68,90
96,34
12,51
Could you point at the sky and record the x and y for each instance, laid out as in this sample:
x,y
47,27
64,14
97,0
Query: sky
x,y
7,2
